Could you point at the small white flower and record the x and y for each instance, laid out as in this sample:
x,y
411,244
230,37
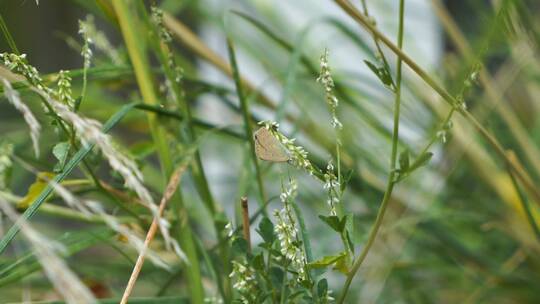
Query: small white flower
x,y
325,78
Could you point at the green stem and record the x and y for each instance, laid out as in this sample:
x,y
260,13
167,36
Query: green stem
x,y
144,80
247,120
391,182
8,36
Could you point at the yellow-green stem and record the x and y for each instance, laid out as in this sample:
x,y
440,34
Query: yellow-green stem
x,y
391,178
145,83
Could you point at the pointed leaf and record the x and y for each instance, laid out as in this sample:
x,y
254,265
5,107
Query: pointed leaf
x,y
327,260
332,221
60,151
266,230
422,161
322,288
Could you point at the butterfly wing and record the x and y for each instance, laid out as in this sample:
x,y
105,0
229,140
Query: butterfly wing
x,y
268,148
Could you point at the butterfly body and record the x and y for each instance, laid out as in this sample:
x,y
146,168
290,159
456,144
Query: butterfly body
x,y
268,148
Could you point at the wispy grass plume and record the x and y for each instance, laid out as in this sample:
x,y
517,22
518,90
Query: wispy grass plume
x,y
15,99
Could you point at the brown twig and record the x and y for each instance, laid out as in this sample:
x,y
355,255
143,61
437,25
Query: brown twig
x,y
245,221
169,192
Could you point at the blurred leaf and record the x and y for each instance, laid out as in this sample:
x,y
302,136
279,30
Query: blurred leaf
x,y
276,277
142,150
381,73
239,247
327,260
258,262
266,230
42,180
332,221
422,161
322,288
61,152
404,161
342,264
345,179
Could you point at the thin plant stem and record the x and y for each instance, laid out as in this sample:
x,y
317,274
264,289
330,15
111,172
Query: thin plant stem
x,y
168,193
391,178
247,121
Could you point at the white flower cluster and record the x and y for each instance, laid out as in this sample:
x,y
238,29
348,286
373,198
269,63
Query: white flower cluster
x,y
14,98
19,65
287,233
444,131
178,77
63,93
157,19
230,230
298,154
328,298
325,78
86,52
245,280
331,184
92,36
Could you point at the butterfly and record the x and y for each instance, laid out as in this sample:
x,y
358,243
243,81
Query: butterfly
x,y
268,148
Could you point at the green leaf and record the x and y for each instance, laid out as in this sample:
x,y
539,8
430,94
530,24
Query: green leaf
x,y
142,150
327,260
239,247
404,161
345,179
421,161
61,152
382,73
332,221
258,262
322,288
41,182
342,264
276,277
266,230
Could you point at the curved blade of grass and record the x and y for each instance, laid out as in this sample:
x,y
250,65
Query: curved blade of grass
x,y
8,36
247,121
304,232
74,161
